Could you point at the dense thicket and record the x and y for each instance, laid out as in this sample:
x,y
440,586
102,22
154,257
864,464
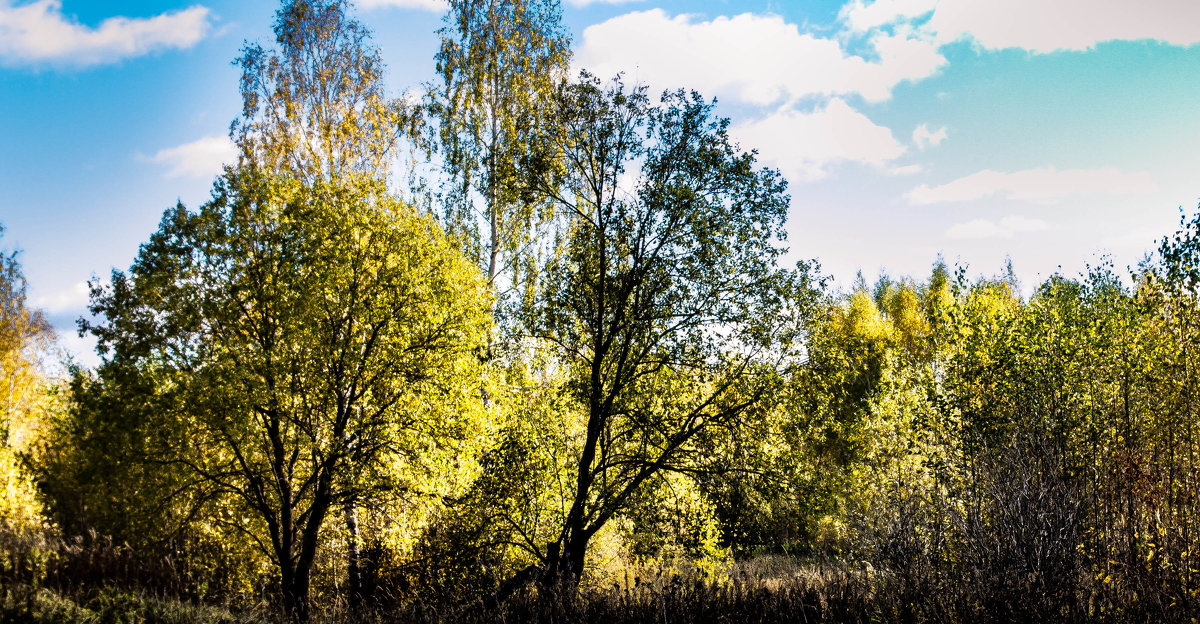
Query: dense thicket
x,y
311,405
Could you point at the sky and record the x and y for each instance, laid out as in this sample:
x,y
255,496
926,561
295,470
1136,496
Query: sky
x,y
1057,133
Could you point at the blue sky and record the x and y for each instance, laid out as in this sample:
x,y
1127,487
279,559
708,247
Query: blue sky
x,y
1053,131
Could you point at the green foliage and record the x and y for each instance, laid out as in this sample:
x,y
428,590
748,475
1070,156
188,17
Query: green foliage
x,y
663,302
855,407
298,349
302,396
500,62
671,521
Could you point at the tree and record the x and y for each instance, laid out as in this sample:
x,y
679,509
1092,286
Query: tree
x,y
304,348
25,336
664,303
500,61
316,107
315,110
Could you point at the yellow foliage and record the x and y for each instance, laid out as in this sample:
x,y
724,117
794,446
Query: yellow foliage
x,y
864,319
20,508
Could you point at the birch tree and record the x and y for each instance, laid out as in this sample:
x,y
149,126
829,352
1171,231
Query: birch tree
x,y
499,64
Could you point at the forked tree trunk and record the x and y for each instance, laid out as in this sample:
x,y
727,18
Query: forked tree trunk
x,y
573,556
295,596
564,562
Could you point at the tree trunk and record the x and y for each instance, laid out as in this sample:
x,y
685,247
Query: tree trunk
x,y
353,559
573,556
564,563
295,595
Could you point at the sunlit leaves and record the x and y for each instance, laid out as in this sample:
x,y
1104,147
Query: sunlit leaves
x,y
315,107
306,348
499,63
662,300
25,399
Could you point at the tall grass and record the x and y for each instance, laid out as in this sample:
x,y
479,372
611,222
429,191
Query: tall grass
x,y
926,564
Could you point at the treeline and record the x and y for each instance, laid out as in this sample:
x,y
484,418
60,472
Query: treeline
x,y
521,348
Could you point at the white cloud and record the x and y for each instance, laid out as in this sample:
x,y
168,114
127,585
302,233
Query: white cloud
x,y
198,159
583,3
905,170
861,17
977,228
75,296
759,59
1005,228
1036,25
1034,184
1042,26
1017,223
82,349
38,33
924,137
803,145
437,6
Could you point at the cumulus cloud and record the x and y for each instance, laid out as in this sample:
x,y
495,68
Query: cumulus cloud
x,y
925,137
198,159
803,145
437,6
757,59
40,34
1005,228
1034,25
70,298
1034,185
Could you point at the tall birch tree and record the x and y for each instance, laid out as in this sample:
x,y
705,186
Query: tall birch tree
x,y
499,64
